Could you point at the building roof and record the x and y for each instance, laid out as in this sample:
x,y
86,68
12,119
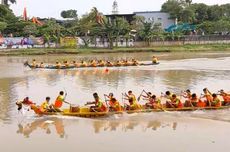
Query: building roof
x,y
140,12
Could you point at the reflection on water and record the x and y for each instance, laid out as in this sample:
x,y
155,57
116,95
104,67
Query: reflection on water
x,y
55,125
43,124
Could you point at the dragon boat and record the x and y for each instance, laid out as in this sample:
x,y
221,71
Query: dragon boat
x,y
85,111
27,64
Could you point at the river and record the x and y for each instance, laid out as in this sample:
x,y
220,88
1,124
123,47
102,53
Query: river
x,y
174,131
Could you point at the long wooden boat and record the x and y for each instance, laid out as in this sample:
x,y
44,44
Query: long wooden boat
x,y
87,114
78,67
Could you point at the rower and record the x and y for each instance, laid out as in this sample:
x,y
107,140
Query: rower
x,y
58,65
155,60
45,106
75,64
66,64
59,101
226,97
115,105
196,102
131,95
83,64
134,62
200,103
154,102
208,97
93,63
99,106
41,65
34,64
118,63
101,63
148,96
168,95
216,101
109,64
187,95
133,104
174,103
27,101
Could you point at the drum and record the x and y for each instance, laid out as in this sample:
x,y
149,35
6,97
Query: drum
x,y
74,108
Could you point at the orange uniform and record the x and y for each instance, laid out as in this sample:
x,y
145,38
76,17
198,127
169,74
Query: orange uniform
x,y
216,102
101,106
59,101
200,104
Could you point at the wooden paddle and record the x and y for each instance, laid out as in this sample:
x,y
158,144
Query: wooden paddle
x,y
138,99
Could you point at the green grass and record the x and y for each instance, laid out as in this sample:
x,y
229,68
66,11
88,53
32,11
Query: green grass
x,y
181,48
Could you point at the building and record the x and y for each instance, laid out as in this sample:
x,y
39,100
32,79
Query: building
x,y
157,17
128,17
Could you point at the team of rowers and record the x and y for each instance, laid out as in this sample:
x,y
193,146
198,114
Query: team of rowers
x,y
152,102
92,63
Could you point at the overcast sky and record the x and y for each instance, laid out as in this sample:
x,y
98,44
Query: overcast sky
x,y
52,8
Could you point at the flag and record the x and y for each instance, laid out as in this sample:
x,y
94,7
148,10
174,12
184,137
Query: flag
x,y
25,15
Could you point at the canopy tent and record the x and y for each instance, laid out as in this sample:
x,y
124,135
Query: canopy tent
x,y
181,27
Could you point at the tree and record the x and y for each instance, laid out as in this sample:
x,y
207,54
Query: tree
x,y
6,15
173,7
30,30
69,14
3,25
201,12
189,2
6,2
146,32
215,13
121,27
51,31
188,15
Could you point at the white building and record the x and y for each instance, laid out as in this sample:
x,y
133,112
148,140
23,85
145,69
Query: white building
x,y
157,17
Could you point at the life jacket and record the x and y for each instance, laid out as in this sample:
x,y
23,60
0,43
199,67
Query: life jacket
x,y
226,98
101,106
115,106
34,64
58,65
66,64
200,104
44,106
135,106
217,102
208,97
155,60
27,102
59,101
178,103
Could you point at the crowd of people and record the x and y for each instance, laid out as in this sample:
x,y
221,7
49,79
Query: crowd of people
x,y
130,102
92,63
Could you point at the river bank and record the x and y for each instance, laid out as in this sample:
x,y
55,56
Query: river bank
x,y
179,48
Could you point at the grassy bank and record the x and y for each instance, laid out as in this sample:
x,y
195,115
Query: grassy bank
x,y
184,48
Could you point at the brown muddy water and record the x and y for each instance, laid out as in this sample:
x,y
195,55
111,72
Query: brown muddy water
x,y
175,131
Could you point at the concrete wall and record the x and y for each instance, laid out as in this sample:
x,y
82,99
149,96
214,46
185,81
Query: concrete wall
x,y
157,17
174,43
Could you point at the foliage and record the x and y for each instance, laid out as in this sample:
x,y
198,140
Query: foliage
x,y
69,14
29,30
3,25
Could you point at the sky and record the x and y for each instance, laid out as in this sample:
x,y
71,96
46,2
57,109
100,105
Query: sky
x,y
53,8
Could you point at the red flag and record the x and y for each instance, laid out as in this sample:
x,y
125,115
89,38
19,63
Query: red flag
x,y
25,15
